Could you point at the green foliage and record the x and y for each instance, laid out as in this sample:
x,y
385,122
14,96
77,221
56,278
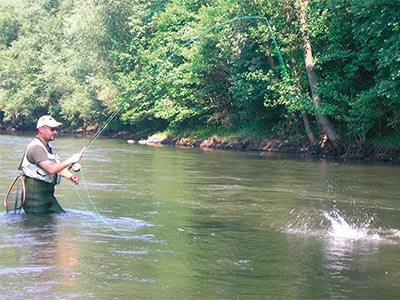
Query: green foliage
x,y
359,63
390,141
56,65
222,65
9,26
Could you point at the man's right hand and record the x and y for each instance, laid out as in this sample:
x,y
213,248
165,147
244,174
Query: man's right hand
x,y
75,158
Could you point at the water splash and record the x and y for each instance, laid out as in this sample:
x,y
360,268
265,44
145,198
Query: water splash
x,y
338,228
342,229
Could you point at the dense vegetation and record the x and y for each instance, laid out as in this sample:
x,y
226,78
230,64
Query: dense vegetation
x,y
293,69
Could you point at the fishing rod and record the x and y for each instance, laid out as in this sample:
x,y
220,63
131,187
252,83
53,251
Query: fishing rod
x,y
104,126
155,71
76,166
202,33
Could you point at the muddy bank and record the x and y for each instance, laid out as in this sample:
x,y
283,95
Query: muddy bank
x,y
295,148
299,148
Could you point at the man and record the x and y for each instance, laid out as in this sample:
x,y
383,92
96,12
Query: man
x,y
42,169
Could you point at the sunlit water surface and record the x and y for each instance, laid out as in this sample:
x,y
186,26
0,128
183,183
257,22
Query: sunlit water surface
x,y
168,223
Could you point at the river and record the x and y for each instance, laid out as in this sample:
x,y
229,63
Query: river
x,y
170,223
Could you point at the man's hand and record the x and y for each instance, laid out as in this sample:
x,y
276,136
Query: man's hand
x,y
75,179
75,158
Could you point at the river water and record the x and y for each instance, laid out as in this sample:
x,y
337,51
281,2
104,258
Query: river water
x,y
170,223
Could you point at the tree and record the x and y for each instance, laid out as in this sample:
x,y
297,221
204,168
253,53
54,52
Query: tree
x,y
9,26
22,85
322,119
357,63
236,64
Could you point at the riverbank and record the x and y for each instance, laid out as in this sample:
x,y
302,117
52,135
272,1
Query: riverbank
x,y
299,148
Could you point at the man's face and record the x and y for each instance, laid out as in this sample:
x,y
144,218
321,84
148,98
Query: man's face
x,y
48,133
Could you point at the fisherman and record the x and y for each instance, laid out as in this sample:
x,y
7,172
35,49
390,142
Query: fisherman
x,y
42,169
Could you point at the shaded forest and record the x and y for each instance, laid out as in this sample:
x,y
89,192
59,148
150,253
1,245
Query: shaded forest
x,y
312,72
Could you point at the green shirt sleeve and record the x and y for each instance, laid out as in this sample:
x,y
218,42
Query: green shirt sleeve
x,y
36,154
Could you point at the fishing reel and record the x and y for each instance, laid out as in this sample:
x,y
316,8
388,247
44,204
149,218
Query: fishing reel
x,y
75,167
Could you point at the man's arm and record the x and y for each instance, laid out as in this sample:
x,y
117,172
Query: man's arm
x,y
38,155
54,168
67,174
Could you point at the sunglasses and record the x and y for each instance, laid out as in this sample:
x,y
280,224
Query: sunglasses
x,y
52,128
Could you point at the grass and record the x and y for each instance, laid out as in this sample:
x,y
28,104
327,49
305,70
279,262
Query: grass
x,y
221,133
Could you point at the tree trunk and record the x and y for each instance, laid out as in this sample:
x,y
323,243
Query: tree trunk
x,y
322,119
307,127
304,115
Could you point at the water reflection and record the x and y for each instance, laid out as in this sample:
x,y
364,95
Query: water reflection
x,y
351,252
47,252
190,224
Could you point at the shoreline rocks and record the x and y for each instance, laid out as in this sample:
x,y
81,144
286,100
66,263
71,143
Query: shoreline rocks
x,y
297,148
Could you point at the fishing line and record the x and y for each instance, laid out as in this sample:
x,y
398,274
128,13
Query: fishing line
x,y
97,214
154,72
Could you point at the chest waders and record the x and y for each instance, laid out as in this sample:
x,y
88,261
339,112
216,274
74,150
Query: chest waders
x,y
40,197
39,185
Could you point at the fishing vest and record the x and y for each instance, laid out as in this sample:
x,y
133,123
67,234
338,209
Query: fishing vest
x,y
33,170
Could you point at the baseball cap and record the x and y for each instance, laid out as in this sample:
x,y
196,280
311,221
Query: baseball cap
x,y
47,121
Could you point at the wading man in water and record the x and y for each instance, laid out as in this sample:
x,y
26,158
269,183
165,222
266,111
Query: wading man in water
x,y
42,169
